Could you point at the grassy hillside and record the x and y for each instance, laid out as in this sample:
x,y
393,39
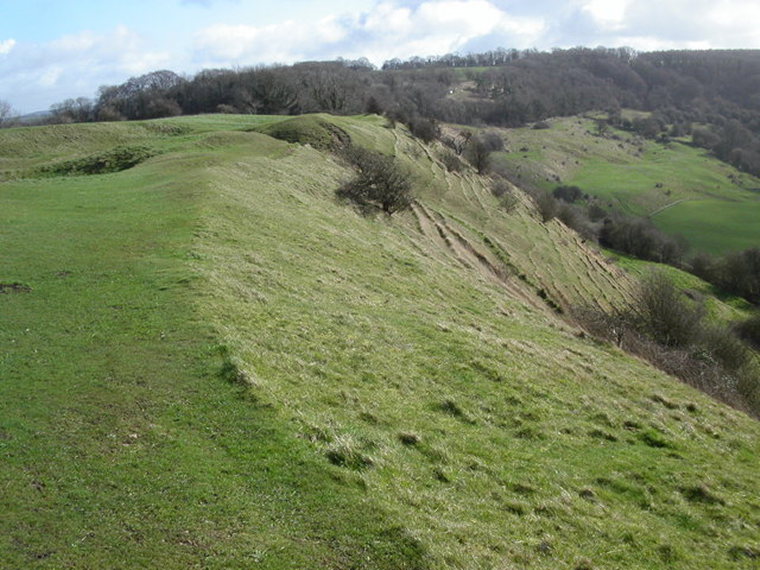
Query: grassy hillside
x,y
722,307
122,443
209,361
684,191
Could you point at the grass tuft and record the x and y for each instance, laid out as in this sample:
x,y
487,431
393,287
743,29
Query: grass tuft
x,y
345,451
408,438
653,438
453,409
701,494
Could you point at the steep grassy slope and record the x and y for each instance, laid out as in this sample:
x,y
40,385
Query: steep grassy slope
x,y
216,364
453,398
686,192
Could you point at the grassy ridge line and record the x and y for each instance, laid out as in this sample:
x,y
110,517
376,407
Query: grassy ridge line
x,y
24,149
121,445
501,438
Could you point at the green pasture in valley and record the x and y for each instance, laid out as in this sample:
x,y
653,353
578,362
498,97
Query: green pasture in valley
x,y
682,188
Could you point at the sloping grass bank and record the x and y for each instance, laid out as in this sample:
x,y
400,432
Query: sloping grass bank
x,y
499,435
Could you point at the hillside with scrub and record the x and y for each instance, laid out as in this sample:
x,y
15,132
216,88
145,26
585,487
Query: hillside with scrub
x,y
212,358
679,186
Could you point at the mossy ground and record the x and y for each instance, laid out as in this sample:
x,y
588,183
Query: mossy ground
x,y
217,364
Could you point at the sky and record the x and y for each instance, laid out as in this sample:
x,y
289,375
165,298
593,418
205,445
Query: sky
x,y
54,50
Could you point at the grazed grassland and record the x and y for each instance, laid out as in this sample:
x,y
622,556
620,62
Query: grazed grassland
x,y
217,364
686,192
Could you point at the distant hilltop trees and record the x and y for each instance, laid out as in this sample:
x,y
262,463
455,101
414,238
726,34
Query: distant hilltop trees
x,y
713,96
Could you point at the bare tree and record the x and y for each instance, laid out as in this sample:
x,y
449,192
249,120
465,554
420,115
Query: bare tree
x,y
79,110
479,154
6,112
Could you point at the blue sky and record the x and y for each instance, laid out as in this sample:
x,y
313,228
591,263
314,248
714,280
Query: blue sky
x,y
53,50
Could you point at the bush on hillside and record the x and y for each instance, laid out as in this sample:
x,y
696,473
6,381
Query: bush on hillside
x,y
639,237
703,266
546,205
739,273
662,312
663,327
451,161
568,194
380,182
425,129
478,154
478,150
500,188
492,141
595,212
749,330
576,219
724,347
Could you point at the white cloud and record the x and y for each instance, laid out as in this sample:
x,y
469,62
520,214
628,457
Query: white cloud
x,y
388,30
735,23
386,16
6,46
276,43
74,44
650,43
37,75
673,24
50,76
607,13
206,3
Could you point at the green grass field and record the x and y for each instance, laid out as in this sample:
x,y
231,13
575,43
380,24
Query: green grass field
x,y
685,191
122,444
210,362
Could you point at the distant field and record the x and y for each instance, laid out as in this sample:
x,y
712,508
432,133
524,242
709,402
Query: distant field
x,y
685,191
715,225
